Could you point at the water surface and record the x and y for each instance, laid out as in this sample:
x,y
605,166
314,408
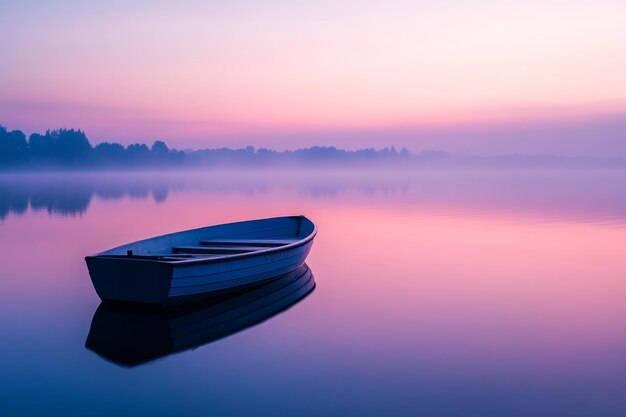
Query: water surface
x,y
438,294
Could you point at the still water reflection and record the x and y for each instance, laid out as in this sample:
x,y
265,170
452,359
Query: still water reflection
x,y
438,293
130,336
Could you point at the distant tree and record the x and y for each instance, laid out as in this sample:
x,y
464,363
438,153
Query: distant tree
x,y
69,145
159,148
106,148
40,146
5,146
13,147
73,142
176,157
106,153
18,140
137,153
266,153
137,148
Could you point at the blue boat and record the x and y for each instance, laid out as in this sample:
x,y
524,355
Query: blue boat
x,y
183,266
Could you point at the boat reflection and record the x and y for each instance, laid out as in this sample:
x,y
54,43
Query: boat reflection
x,y
130,336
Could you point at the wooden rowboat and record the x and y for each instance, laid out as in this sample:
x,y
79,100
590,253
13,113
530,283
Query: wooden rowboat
x,y
186,265
129,336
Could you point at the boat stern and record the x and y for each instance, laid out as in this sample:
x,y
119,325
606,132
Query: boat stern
x,y
128,280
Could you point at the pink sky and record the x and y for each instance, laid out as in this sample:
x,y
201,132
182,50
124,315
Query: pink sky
x,y
284,76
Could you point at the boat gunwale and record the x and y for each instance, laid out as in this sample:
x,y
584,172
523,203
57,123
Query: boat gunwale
x,y
199,260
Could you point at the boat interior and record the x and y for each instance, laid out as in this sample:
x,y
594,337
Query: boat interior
x,y
218,248
211,248
220,241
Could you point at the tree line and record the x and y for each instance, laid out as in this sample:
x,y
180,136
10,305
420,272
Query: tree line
x,y
70,148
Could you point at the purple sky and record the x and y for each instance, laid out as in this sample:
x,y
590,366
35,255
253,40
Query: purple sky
x,y
486,77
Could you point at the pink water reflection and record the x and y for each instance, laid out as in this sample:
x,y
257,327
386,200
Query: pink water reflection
x,y
445,291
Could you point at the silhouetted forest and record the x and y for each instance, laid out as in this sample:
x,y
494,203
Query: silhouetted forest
x,y
70,149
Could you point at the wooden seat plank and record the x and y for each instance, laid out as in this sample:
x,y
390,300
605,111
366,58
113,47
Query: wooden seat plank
x,y
215,249
247,242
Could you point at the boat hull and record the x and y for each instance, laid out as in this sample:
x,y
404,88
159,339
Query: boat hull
x,y
132,279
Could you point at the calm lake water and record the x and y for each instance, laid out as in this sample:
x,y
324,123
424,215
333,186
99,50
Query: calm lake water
x,y
438,294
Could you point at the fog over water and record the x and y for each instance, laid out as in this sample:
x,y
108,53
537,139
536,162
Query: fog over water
x,y
586,195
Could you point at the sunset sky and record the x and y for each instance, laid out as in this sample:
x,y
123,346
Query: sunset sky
x,y
466,76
